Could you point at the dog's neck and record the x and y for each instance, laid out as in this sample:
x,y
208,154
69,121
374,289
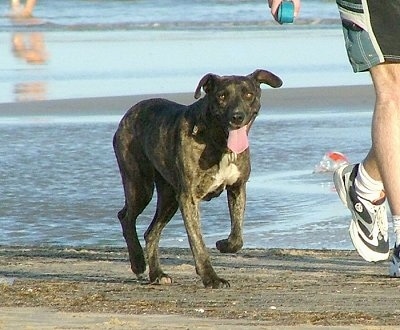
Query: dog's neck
x,y
203,122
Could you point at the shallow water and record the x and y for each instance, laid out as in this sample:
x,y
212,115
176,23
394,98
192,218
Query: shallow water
x,y
60,183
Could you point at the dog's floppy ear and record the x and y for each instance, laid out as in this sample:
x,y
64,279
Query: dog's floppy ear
x,y
266,77
205,82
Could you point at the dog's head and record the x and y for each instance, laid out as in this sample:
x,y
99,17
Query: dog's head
x,y
236,99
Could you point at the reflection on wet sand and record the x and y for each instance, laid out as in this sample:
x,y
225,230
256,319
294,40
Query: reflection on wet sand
x,y
30,47
30,91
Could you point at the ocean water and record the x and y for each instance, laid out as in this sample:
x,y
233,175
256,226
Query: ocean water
x,y
59,182
160,14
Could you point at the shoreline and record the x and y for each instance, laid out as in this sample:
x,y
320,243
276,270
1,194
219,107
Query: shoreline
x,y
290,99
270,289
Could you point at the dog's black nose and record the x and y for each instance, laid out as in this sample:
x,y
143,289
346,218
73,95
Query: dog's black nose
x,y
238,117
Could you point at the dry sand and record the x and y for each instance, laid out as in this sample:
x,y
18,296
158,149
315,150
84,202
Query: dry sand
x,y
88,288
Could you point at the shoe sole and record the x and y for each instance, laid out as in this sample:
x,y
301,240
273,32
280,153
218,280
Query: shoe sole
x,y
366,253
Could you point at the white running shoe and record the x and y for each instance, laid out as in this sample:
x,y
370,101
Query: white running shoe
x,y
369,225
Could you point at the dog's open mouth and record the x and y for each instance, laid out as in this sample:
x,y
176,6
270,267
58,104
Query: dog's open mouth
x,y
238,140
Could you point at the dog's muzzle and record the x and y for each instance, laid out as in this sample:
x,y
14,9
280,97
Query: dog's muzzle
x,y
238,118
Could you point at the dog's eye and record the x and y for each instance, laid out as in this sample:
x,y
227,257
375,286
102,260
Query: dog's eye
x,y
248,96
221,98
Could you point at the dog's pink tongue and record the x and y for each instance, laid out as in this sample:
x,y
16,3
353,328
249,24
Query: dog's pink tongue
x,y
238,140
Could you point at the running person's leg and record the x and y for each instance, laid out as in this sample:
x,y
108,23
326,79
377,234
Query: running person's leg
x,y
386,143
371,32
383,162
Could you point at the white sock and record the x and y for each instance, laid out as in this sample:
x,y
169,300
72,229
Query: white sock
x,y
396,228
366,187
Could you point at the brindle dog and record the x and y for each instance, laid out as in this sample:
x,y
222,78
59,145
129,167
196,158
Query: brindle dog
x,y
185,152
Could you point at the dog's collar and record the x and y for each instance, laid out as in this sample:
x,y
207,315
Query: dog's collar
x,y
232,157
195,130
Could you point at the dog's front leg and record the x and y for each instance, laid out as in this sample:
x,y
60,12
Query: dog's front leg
x,y
236,203
191,218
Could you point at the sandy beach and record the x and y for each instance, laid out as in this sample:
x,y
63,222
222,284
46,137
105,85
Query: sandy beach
x,y
88,288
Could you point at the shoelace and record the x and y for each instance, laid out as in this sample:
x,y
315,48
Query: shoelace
x,y
380,212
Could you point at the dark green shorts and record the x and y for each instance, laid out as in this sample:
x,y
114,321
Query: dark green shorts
x,y
371,30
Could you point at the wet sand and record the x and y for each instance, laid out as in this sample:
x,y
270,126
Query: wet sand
x,y
48,65
87,288
288,99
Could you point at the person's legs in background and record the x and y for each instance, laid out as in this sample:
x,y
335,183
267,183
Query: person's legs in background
x,y
21,11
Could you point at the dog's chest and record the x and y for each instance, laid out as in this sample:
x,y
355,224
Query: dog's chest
x,y
227,174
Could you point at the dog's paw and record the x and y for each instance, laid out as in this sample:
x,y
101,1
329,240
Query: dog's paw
x,y
217,283
162,279
226,246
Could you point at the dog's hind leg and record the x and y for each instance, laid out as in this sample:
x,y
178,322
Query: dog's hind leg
x,y
134,205
236,203
167,206
138,182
